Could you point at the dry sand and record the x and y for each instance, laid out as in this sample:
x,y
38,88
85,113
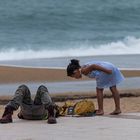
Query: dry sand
x,y
19,74
128,104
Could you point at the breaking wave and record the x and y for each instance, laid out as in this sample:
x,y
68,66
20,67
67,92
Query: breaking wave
x,y
130,45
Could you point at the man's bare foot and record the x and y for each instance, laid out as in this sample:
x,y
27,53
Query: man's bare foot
x,y
115,112
99,112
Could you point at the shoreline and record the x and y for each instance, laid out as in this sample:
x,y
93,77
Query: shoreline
x,y
11,74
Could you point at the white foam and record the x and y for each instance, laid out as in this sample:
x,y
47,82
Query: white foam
x,y
130,45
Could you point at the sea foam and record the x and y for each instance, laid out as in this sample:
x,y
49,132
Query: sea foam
x,y
129,45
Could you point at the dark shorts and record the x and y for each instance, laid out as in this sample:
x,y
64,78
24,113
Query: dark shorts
x,y
33,112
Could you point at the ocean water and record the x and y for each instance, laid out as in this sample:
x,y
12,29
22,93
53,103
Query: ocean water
x,y
48,29
48,33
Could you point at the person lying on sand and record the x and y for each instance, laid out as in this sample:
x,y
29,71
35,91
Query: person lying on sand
x,y
42,106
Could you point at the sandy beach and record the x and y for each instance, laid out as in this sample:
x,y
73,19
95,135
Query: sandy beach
x,y
128,105
11,74
129,98
38,39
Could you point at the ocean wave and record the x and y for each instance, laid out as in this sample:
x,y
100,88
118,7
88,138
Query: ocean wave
x,y
130,45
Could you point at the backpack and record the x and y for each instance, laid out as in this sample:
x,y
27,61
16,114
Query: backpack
x,y
80,108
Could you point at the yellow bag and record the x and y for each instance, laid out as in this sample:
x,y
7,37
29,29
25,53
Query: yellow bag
x,y
84,108
81,108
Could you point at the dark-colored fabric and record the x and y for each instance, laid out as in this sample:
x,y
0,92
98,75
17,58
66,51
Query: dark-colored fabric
x,y
7,115
32,110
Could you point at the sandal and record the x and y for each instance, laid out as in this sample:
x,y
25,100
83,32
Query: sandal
x,y
115,113
99,113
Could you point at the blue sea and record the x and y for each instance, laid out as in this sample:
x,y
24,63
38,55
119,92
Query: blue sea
x,y
48,33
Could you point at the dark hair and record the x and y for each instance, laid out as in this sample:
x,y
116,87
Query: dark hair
x,y
74,65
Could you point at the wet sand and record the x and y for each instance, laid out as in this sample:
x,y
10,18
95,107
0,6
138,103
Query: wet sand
x,y
10,74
